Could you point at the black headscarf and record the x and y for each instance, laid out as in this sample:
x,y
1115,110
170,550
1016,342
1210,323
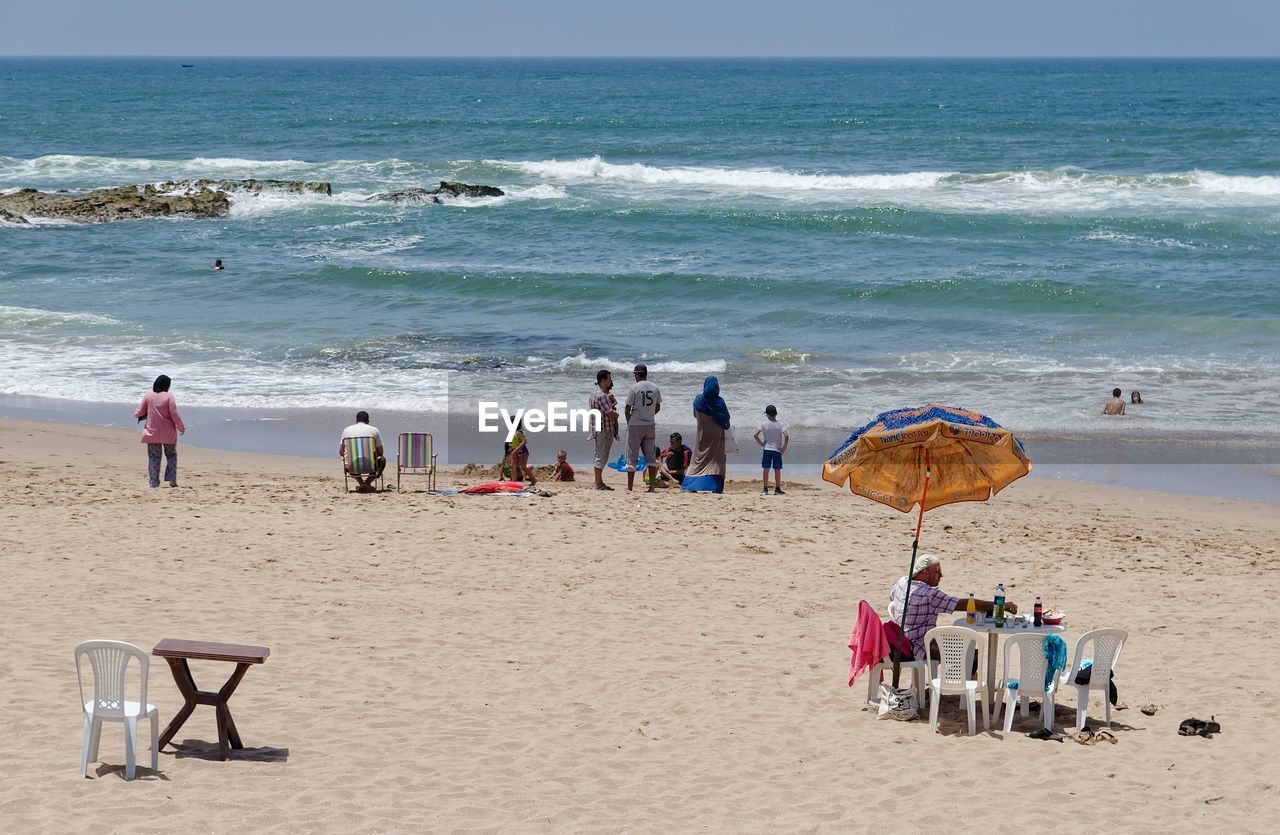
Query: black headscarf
x,y
161,383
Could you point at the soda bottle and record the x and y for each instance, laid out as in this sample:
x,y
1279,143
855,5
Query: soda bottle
x,y
998,609
970,610
1038,613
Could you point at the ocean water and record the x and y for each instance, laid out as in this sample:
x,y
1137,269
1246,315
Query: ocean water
x,y
834,237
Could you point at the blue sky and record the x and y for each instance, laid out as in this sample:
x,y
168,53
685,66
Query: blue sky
x,y
662,28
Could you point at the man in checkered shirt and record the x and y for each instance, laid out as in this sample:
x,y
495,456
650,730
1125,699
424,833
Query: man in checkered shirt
x,y
607,405
928,601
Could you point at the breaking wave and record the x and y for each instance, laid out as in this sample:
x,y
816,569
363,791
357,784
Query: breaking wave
x,y
1051,190
1057,189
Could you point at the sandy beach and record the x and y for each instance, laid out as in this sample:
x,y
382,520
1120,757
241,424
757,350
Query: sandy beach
x,y
601,662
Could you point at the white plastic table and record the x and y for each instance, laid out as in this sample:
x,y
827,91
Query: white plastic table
x,y
993,637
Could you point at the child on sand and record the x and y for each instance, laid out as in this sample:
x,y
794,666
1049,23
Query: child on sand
x,y
519,457
674,461
563,470
773,437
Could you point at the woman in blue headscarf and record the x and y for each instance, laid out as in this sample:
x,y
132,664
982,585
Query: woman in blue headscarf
x,y
706,470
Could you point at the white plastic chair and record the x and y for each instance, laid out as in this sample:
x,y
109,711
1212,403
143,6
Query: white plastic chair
x,y
919,679
1107,644
110,661
1032,666
958,648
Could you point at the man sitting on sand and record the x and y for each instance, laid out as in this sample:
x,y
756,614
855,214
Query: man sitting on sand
x,y
927,602
362,429
1115,406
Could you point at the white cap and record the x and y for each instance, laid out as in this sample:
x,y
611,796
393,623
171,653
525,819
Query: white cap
x,y
925,561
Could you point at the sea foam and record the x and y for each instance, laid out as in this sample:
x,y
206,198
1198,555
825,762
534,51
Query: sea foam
x,y
33,317
1048,190
668,366
747,179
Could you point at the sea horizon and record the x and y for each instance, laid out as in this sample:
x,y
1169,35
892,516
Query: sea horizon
x,y
648,57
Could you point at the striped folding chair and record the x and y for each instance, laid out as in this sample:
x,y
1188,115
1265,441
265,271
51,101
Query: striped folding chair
x,y
416,457
362,460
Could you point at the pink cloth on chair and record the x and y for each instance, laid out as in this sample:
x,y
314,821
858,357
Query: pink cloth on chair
x,y
866,640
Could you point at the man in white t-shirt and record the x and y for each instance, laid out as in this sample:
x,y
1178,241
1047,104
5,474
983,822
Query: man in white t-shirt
x,y
643,404
773,437
364,476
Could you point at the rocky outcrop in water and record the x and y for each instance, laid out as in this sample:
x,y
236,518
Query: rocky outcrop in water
x,y
251,186
447,188
9,217
176,198
191,198
107,204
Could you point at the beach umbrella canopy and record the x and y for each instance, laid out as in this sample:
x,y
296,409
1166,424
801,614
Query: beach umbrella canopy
x,y
927,456
970,457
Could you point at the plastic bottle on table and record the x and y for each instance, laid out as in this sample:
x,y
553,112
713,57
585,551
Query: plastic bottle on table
x,y
1038,613
971,610
998,608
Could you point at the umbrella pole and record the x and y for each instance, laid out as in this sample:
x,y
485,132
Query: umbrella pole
x,y
911,571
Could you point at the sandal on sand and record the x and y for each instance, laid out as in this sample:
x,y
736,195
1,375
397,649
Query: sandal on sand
x,y
1045,733
603,487
1085,736
1150,710
1103,735
1199,727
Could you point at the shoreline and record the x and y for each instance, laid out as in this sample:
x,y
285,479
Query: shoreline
x,y
1247,470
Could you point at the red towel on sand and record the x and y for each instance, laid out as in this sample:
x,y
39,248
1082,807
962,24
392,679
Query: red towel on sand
x,y
497,487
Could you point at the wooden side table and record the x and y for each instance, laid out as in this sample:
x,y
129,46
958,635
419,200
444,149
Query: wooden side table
x,y
177,653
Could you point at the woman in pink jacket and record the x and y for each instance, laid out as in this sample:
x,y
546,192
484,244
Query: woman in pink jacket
x,y
164,425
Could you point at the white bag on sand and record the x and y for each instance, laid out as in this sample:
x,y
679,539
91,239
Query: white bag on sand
x,y
897,703
730,442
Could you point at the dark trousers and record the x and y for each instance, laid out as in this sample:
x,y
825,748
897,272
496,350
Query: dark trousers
x,y
153,463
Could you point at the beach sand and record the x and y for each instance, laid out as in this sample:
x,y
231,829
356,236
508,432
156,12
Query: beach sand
x,y
594,661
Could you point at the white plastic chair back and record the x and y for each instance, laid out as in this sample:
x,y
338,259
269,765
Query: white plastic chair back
x,y
1107,644
958,646
959,652
1030,680
110,662
1032,665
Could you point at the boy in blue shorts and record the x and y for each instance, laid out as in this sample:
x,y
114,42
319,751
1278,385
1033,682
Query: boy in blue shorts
x,y
773,437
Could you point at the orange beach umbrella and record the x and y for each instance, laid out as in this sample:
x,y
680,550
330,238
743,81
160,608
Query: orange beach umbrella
x,y
927,456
